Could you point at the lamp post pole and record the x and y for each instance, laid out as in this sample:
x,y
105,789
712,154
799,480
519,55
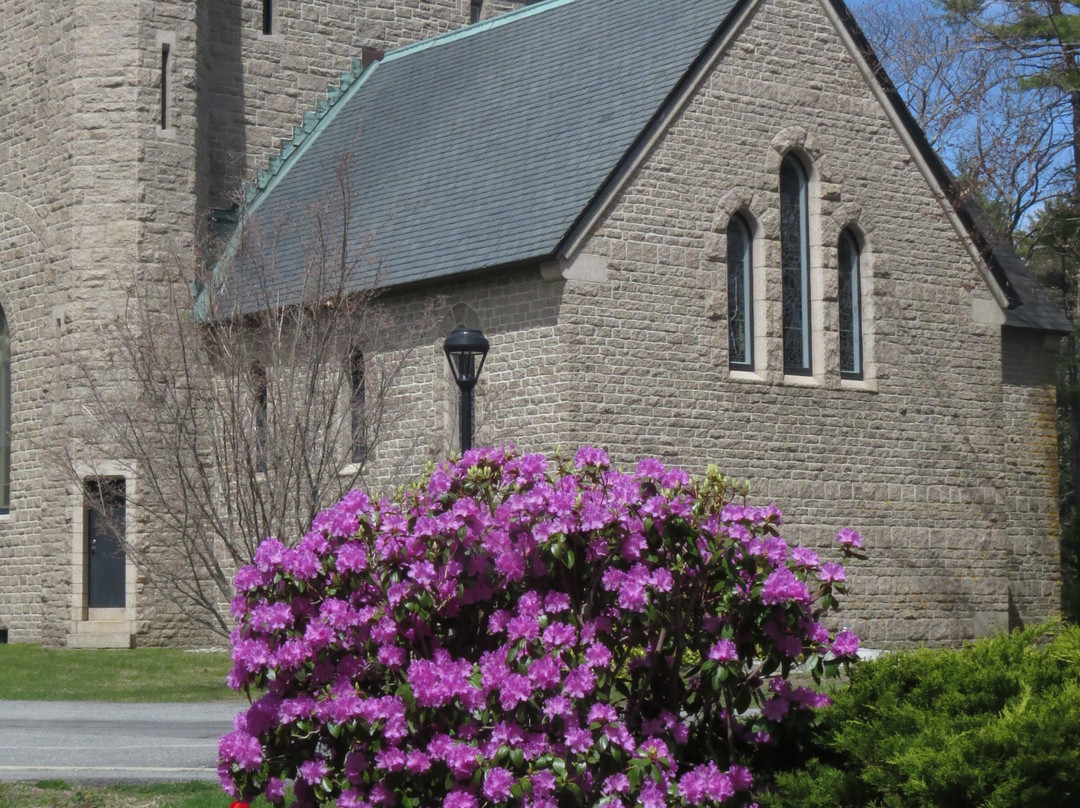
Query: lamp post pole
x,y
466,349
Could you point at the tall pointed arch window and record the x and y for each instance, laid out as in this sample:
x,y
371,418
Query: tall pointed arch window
x,y
261,393
5,414
849,289
357,408
795,264
740,265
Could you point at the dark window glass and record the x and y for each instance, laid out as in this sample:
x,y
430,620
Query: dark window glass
x,y
268,17
357,413
475,9
164,112
850,294
795,263
104,518
262,413
740,295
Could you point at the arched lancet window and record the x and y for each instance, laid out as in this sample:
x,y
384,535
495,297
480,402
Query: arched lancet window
x,y
795,258
261,391
357,412
5,415
850,299
740,265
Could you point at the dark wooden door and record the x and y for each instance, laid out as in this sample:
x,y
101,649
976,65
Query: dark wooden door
x,y
105,547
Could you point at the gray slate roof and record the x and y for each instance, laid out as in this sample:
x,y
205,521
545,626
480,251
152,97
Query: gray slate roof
x,y
482,148
1037,309
479,148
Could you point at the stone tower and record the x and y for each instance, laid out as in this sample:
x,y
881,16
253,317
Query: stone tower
x,y
123,123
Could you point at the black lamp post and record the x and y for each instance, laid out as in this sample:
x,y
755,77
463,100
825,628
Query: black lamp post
x,y
466,349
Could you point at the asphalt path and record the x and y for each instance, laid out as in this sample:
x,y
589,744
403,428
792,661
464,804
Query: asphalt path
x,y
104,742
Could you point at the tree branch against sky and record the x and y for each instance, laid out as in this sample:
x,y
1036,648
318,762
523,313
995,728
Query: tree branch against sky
x,y
993,89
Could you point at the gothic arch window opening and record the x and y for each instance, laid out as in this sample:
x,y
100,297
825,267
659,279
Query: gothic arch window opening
x,y
358,449
740,291
849,292
261,393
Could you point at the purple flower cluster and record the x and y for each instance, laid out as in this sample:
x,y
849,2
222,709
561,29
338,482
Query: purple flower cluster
x,y
515,632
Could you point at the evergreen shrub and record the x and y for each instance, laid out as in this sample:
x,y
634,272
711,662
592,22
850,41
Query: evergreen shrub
x,y
995,724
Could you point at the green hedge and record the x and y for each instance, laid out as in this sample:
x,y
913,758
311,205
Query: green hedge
x,y
994,725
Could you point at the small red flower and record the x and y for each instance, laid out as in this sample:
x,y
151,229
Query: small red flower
x,y
239,805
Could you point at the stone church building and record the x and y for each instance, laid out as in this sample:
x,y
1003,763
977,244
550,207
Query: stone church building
x,y
702,230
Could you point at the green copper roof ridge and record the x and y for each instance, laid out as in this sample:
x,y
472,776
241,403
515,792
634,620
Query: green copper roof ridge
x,y
476,28
312,121
290,150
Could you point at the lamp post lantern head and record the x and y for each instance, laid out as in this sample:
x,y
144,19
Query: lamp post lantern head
x,y
466,349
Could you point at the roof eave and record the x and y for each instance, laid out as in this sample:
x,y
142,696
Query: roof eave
x,y
642,145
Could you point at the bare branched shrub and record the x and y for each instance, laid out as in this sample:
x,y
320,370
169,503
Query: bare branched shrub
x,y
239,416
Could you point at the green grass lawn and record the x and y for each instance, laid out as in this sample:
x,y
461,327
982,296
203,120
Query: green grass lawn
x,y
58,794
141,674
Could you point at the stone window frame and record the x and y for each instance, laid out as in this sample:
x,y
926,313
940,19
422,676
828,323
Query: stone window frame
x,y
260,411
358,452
849,327
268,19
852,218
740,265
742,202
801,363
820,172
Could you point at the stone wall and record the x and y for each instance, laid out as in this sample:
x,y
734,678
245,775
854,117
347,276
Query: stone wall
x,y
913,456
101,199
947,472
1031,461
943,456
38,59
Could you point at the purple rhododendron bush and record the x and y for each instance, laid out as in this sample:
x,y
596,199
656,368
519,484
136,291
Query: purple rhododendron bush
x,y
516,631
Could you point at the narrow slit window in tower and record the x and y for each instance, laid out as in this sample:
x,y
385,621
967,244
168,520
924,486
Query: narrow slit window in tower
x,y
164,85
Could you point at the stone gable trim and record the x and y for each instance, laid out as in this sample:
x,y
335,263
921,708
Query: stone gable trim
x,y
639,152
928,164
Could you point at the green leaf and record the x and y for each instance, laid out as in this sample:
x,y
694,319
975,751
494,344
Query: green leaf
x,y
558,765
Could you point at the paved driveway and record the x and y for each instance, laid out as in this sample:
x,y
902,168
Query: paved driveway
x,y
95,741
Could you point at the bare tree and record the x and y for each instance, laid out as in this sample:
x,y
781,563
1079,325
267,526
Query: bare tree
x,y
246,421
1008,140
